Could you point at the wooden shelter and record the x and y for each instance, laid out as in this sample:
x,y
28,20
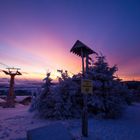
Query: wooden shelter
x,y
80,49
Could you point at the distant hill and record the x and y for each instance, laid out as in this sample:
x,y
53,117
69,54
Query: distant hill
x,y
133,84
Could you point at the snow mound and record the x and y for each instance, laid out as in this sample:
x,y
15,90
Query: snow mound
x,y
51,132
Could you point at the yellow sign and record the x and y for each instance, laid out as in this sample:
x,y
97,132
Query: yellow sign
x,y
86,86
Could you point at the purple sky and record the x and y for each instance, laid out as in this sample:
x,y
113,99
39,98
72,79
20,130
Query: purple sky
x,y
37,35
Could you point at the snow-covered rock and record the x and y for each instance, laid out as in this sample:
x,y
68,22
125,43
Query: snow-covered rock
x,y
55,131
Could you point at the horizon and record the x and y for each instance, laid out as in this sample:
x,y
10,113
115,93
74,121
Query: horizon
x,y
37,36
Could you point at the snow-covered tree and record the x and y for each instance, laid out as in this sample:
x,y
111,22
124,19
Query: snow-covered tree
x,y
110,94
40,99
59,101
64,100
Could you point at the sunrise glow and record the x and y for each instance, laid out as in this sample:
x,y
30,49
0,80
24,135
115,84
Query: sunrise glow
x,y
38,37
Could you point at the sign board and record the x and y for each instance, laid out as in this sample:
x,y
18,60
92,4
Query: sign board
x,y
86,86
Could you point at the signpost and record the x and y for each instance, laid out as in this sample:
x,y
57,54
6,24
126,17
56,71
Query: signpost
x,y
84,51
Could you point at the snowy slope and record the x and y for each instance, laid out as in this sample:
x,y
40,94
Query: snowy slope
x,y
16,121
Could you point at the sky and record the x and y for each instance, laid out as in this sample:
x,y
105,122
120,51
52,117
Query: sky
x,y
37,35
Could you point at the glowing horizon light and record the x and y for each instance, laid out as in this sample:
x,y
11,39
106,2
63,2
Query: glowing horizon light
x,y
40,75
37,36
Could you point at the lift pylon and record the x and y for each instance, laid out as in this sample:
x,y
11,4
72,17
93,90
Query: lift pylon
x,y
12,72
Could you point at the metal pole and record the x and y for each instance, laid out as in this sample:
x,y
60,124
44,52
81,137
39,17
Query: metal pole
x,y
11,90
10,97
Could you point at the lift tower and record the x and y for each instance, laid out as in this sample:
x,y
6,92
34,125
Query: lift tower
x,y
10,96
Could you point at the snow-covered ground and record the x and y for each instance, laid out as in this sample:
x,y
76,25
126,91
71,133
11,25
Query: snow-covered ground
x,y
14,122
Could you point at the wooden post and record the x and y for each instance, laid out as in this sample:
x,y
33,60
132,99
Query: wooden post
x,y
85,113
86,63
82,55
85,117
